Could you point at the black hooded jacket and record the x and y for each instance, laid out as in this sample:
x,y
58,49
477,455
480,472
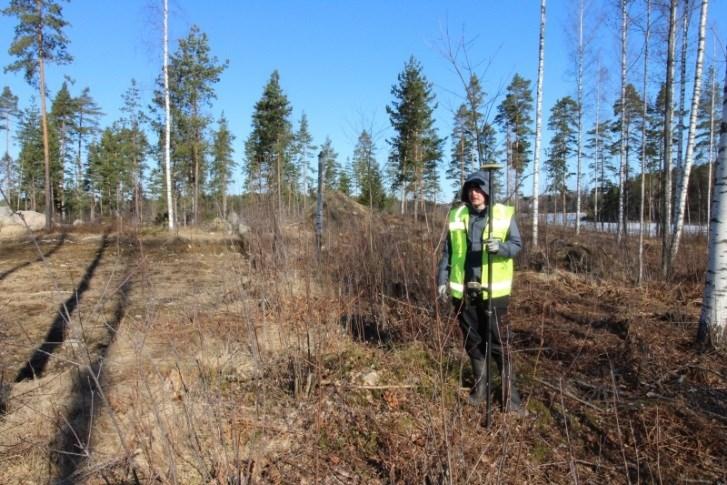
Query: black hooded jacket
x,y
475,244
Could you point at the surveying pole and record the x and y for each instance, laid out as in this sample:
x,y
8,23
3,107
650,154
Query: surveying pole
x,y
490,167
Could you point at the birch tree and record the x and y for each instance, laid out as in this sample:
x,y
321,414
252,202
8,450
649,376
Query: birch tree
x,y
688,159
713,319
622,151
538,123
39,39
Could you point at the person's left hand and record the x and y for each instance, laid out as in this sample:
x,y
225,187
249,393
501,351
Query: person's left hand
x,y
493,245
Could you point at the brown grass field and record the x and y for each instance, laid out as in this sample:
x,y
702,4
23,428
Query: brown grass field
x,y
138,357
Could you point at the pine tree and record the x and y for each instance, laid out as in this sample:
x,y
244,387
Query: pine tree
x,y
8,111
514,115
222,163
630,112
563,123
39,39
193,73
415,148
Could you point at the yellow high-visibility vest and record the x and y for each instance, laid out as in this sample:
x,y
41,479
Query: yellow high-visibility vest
x,y
502,267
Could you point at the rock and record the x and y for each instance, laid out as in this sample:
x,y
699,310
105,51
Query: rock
x,y
77,222
242,229
371,379
34,220
218,224
233,218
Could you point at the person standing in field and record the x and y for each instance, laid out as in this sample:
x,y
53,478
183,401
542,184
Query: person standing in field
x,y
462,273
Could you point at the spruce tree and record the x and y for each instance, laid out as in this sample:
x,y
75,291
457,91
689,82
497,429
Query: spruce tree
x,y
39,39
222,163
303,154
267,147
30,157
463,157
344,178
331,167
61,127
8,111
366,172
416,149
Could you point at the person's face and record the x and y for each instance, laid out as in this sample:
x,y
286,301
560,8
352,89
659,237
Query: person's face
x,y
476,196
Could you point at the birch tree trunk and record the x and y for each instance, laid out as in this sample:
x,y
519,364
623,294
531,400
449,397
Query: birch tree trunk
x,y
713,320
682,95
167,120
688,159
622,161
644,114
668,112
710,160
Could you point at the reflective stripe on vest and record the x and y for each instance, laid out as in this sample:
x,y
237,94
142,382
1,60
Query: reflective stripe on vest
x,y
502,267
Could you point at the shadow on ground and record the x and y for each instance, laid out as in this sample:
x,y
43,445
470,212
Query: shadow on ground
x,y
50,252
35,366
72,440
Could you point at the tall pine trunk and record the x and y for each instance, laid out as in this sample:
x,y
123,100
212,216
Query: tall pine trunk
x,y
668,112
713,320
538,123
644,114
44,123
167,121
688,161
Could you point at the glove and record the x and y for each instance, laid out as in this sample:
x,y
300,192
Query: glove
x,y
442,291
493,245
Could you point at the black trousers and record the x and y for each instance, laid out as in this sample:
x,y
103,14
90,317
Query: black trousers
x,y
472,316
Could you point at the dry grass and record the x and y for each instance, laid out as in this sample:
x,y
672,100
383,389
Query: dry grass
x,y
206,359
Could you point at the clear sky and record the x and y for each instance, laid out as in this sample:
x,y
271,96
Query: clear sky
x,y
337,59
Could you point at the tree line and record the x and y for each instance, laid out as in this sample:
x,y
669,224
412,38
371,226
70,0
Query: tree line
x,y
71,167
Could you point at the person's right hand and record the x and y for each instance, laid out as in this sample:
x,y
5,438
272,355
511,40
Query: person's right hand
x,y
442,291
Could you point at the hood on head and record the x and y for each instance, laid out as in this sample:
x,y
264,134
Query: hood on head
x,y
480,178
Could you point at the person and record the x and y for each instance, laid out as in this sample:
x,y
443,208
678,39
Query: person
x,y
462,272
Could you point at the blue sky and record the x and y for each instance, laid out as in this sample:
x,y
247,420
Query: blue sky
x,y
337,59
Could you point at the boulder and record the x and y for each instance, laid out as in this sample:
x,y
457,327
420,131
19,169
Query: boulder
x,y
233,218
242,229
77,222
34,220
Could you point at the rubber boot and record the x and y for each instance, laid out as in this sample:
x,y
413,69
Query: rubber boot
x,y
478,394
